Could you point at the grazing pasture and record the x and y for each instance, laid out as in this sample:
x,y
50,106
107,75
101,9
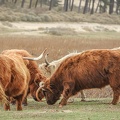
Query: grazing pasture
x,y
95,108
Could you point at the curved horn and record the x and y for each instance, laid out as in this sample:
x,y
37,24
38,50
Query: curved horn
x,y
46,60
37,58
37,94
41,84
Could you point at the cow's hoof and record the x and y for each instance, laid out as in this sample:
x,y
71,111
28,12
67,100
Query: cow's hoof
x,y
70,100
25,104
60,106
83,100
113,103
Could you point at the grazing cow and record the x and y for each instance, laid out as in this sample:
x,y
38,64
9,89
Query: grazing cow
x,y
14,78
35,73
49,68
90,69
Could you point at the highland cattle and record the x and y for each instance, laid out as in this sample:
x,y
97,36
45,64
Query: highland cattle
x,y
90,69
35,74
14,78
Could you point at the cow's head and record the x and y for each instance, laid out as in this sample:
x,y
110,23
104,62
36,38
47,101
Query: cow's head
x,y
34,86
36,76
47,68
50,91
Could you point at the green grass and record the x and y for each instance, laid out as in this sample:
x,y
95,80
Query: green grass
x,y
90,110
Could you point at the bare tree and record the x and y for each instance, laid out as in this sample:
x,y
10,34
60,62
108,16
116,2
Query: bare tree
x,y
89,5
15,1
65,5
22,4
85,7
104,7
111,6
41,1
51,2
98,4
36,3
30,4
79,6
92,10
72,5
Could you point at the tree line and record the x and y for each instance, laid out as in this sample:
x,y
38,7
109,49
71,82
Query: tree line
x,y
84,6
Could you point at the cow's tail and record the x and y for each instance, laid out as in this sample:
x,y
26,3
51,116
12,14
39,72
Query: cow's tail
x,y
3,97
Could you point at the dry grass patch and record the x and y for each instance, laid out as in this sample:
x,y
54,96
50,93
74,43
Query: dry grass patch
x,y
55,15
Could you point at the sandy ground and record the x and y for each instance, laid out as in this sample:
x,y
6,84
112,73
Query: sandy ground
x,y
36,28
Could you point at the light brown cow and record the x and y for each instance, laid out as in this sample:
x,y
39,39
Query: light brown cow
x,y
90,69
35,73
14,78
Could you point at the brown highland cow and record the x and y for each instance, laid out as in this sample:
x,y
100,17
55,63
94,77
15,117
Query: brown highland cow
x,y
14,78
90,69
35,73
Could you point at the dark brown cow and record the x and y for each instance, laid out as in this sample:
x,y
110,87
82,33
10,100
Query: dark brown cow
x,y
90,69
35,73
14,78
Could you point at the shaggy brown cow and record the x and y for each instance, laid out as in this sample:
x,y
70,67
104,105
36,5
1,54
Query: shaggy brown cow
x,y
90,69
14,78
49,68
35,73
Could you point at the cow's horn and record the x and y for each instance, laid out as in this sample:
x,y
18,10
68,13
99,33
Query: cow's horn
x,y
40,88
37,94
46,60
37,58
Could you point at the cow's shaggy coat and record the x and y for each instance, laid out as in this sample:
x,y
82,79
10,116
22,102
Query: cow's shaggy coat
x,y
3,97
49,68
90,69
14,78
35,73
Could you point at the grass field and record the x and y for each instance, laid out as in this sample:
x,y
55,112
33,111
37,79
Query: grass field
x,y
92,109
95,108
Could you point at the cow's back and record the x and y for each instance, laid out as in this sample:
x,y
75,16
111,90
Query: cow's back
x,y
14,75
91,69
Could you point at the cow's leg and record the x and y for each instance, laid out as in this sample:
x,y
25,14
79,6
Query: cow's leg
x,y
12,101
25,101
116,93
67,92
19,100
82,95
7,107
70,100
